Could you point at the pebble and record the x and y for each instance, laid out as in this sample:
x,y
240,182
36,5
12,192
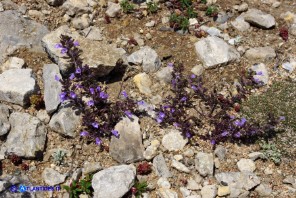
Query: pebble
x,y
143,83
193,185
220,152
204,163
264,190
188,153
179,166
160,166
256,155
268,171
223,191
174,141
209,191
150,24
185,192
246,165
167,193
163,183
151,150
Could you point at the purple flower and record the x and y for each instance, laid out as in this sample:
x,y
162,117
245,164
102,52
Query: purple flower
x,y
260,73
115,133
90,103
78,86
237,135
172,110
231,117
128,114
58,46
98,88
56,78
63,96
84,133
176,124
225,133
72,76
170,64
282,118
166,106
188,135
183,99
78,71
194,87
72,94
92,91
240,123
124,94
95,125
98,141
213,142
76,43
257,80
161,114
64,50
103,95
159,120
192,76
142,102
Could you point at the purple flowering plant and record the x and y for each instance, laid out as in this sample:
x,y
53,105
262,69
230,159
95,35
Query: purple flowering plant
x,y
83,91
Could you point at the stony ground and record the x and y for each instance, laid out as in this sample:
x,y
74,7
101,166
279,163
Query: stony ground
x,y
244,35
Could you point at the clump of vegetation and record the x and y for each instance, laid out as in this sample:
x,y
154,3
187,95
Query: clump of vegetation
x,y
15,159
212,11
152,7
144,168
270,152
126,6
58,157
139,188
83,186
178,22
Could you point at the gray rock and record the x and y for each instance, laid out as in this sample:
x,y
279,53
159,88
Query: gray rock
x,y
163,183
222,17
209,191
243,7
76,7
213,51
93,33
255,155
259,54
101,57
12,86
91,167
13,63
4,185
128,147
166,193
165,74
55,2
4,123
193,185
113,182
65,121
240,24
185,192
246,165
238,180
27,135
113,9
147,57
262,74
220,152
52,177
151,150
81,22
52,87
204,163
289,180
198,70
150,23
180,167
23,33
43,116
160,167
174,141
260,19
264,190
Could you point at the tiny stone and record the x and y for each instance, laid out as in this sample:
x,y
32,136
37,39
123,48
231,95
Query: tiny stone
x,y
150,24
209,191
223,191
163,183
178,157
289,180
179,166
263,190
193,185
255,155
174,141
189,153
220,152
246,165
184,192
198,70
268,171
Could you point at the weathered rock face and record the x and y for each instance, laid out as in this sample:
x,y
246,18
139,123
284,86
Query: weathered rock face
x,y
4,123
12,86
113,182
65,121
101,57
146,57
128,147
27,135
213,51
23,33
52,87
259,18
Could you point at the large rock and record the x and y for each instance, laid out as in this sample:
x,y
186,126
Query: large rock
x,y
17,85
65,121
101,57
4,123
258,54
204,163
213,51
113,182
260,19
52,87
23,33
128,147
26,137
147,57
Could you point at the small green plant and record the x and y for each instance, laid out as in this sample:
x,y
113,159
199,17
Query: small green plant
x,y
58,157
212,11
126,6
191,13
152,7
179,22
271,152
82,187
139,188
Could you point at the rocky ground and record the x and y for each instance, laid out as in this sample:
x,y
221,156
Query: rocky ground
x,y
41,145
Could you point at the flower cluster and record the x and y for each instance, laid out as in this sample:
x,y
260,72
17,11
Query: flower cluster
x,y
81,89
